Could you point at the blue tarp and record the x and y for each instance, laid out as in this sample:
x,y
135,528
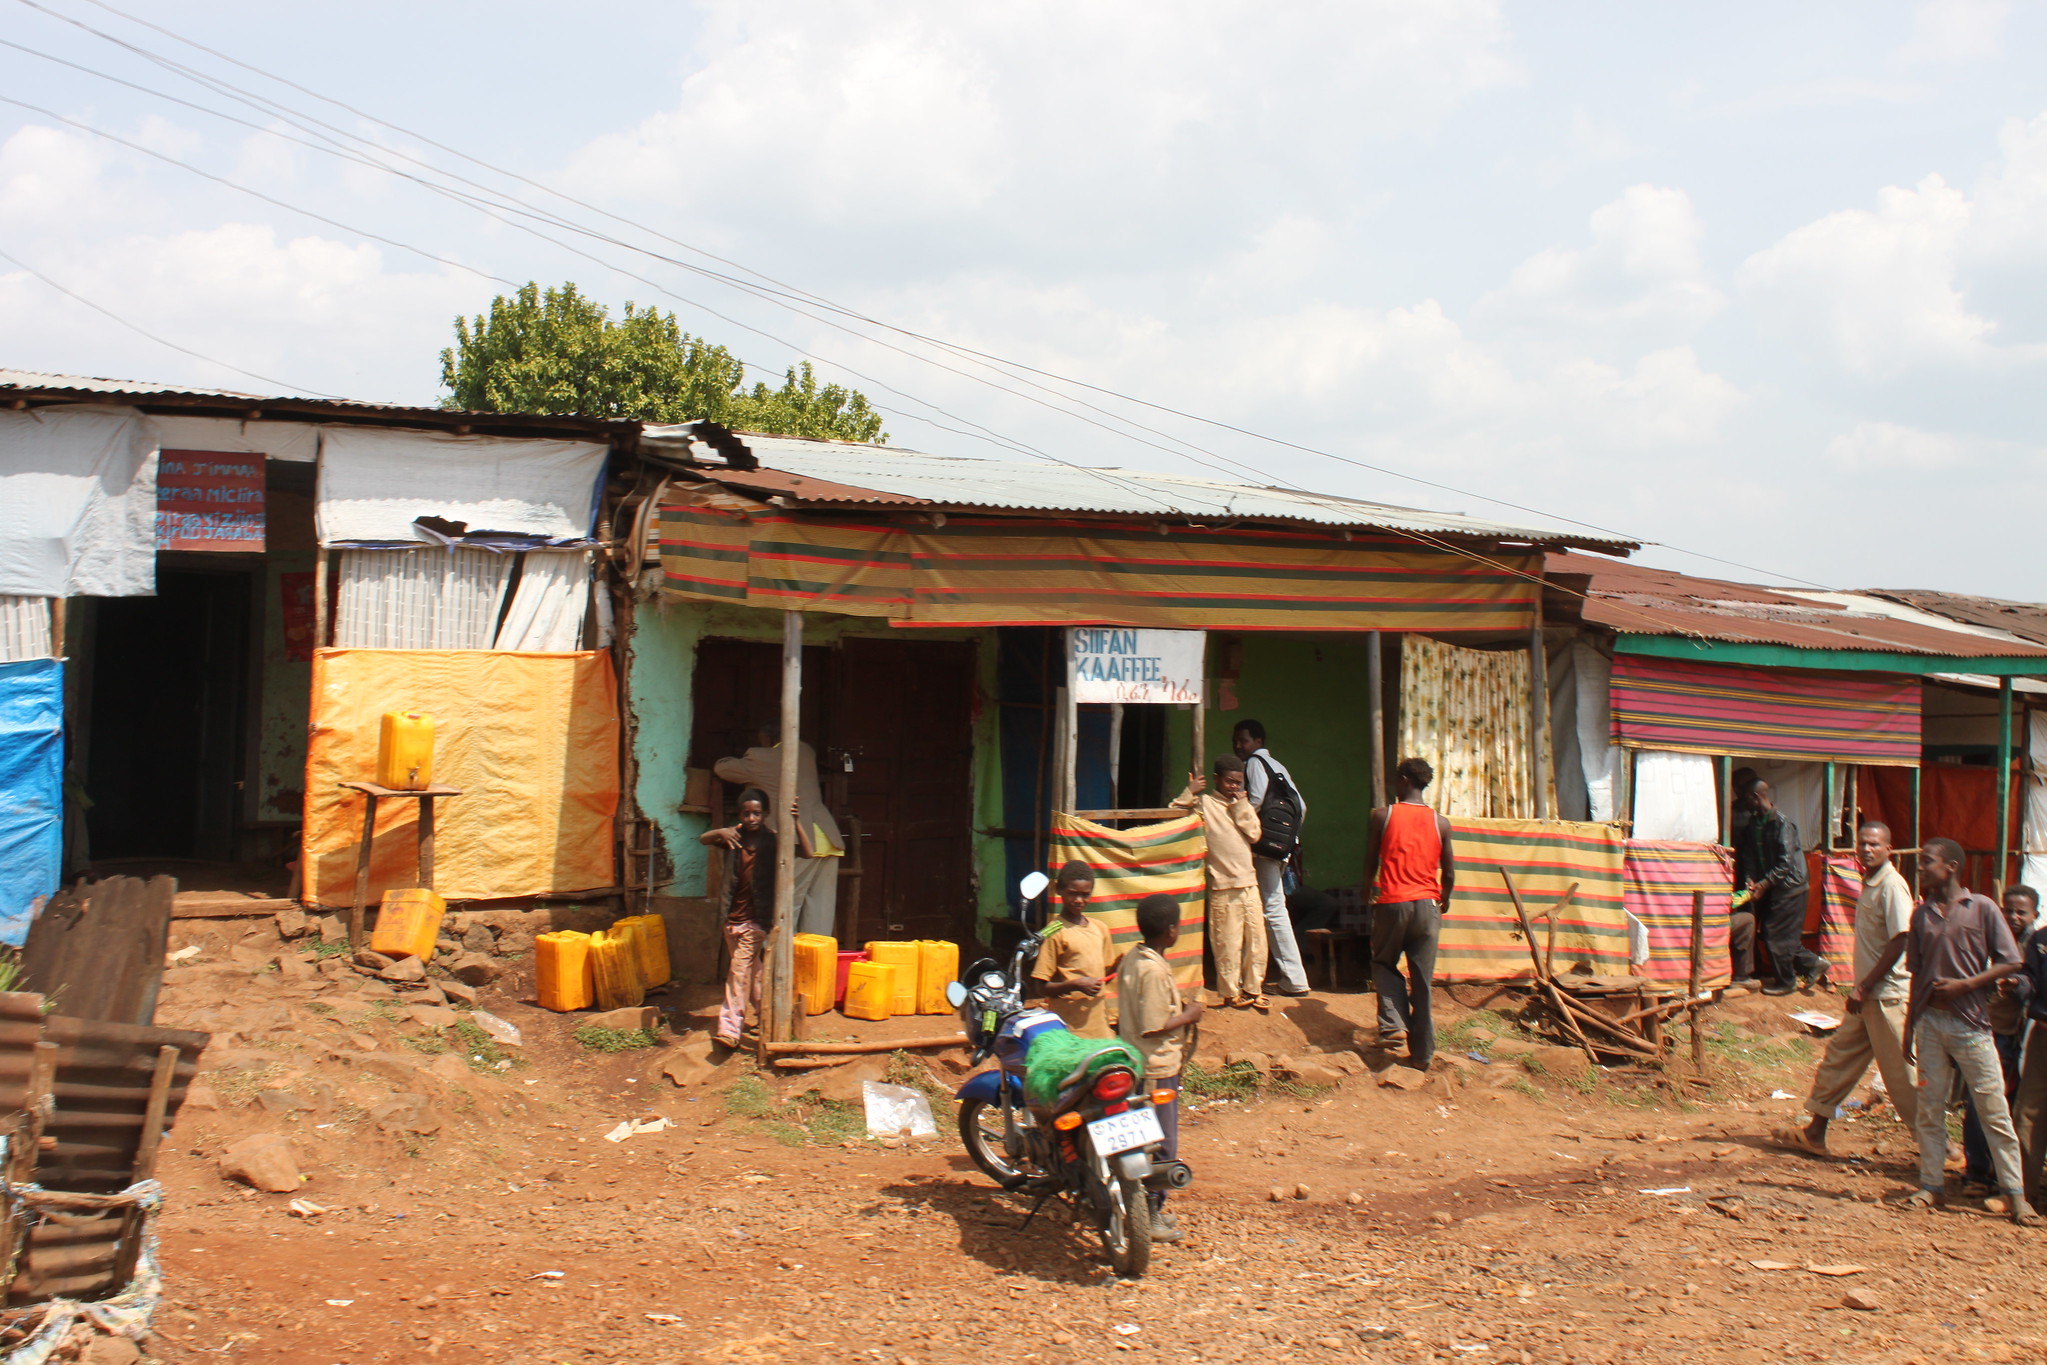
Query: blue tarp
x,y
31,789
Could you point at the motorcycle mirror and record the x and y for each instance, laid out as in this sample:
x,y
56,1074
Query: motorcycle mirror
x,y
955,994
1033,886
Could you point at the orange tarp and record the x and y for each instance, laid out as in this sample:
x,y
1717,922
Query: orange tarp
x,y
531,740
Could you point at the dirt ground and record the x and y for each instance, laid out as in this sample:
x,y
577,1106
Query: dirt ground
x,y
1487,1212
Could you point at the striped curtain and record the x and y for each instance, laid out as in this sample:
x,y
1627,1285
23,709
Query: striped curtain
x,y
1466,712
1834,885
1481,936
1130,864
1659,878
1769,712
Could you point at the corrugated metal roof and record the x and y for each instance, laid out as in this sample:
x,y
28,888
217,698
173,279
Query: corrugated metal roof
x,y
882,474
2027,620
1634,599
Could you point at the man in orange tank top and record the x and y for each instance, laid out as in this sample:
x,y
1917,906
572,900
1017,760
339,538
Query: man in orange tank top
x,y
1410,870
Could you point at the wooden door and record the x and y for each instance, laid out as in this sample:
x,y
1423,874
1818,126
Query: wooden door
x,y
903,717
738,688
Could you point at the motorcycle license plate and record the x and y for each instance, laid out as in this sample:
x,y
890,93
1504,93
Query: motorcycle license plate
x,y
1125,1132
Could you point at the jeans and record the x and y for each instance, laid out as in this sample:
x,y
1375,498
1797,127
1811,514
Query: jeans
x,y
743,984
1412,928
1285,954
1975,1146
1944,1045
1781,922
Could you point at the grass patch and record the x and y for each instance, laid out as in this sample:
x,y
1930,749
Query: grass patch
x,y
598,1038
804,1121
10,969
385,1009
428,1043
1526,1087
324,949
479,1049
240,1085
905,1070
1237,1081
1462,1035
319,1007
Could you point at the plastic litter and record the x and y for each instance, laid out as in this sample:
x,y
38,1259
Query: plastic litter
x,y
306,1208
893,1110
498,1029
627,1127
1672,1189
1813,1019
547,1274
662,1319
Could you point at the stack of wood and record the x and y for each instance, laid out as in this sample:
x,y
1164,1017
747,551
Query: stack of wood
x,y
1613,1018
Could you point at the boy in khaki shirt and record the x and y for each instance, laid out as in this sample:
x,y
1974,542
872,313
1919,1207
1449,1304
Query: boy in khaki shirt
x,y
1154,1021
1236,926
1077,958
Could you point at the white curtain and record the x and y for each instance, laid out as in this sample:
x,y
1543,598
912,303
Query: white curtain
x,y
1800,790
24,629
1675,797
550,602
420,599
77,503
2033,824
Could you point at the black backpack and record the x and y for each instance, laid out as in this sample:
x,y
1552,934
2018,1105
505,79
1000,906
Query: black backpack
x,y
1279,816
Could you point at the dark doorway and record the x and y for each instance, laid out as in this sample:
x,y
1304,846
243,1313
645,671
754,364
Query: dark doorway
x,y
905,721
738,689
167,729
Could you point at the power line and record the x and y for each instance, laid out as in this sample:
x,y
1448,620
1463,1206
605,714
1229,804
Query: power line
x,y
26,268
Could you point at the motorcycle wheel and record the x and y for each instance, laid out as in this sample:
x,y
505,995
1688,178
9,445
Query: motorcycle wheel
x,y
1126,1234
981,1134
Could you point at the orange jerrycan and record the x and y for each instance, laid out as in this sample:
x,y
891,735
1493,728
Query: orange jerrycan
x,y
562,971
616,969
817,971
408,922
905,957
870,990
650,939
405,751
938,966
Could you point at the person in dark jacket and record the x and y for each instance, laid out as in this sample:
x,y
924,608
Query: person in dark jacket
x,y
2029,1107
1769,861
749,903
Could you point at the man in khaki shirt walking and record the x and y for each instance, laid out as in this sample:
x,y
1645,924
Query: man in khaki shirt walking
x,y
1875,1027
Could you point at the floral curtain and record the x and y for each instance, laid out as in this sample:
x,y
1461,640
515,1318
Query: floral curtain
x,y
1466,712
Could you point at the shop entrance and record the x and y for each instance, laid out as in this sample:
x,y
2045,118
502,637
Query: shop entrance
x,y
891,721
167,718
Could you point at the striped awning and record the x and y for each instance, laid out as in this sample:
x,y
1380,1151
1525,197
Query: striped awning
x,y
1768,712
1006,571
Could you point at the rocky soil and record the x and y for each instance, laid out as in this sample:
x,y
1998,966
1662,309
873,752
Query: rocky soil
x,y
1518,1208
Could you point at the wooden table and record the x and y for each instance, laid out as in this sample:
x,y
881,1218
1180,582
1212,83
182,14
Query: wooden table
x,y
372,793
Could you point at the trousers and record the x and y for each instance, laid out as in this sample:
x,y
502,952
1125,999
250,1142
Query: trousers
x,y
743,981
1877,1034
1282,952
1741,945
1946,1045
1975,1145
1781,920
1413,929
2029,1110
1236,931
817,896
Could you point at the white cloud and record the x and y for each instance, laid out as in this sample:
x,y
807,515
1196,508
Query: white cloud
x,y
1956,31
1642,273
1885,447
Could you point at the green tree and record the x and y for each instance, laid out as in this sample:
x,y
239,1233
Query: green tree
x,y
555,351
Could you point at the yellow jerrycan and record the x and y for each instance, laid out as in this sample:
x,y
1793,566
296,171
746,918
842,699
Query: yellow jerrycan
x,y
405,751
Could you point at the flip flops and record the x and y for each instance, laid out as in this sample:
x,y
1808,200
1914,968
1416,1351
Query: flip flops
x,y
1798,1140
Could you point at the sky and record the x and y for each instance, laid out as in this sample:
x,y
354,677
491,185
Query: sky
x,y
1764,285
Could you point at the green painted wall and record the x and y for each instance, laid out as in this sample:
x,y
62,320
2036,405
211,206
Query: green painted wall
x,y
663,669
1310,692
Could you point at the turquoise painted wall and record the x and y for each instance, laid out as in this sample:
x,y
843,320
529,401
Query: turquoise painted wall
x,y
663,670
1310,692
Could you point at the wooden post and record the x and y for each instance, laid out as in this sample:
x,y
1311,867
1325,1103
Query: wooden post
x,y
1692,999
1116,754
1375,710
426,842
57,627
1197,734
1726,801
152,1117
36,1104
778,999
1828,823
1538,717
1069,738
320,597
362,874
2003,877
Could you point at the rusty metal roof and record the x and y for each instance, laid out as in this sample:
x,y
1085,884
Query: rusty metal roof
x,y
2027,620
846,474
1636,599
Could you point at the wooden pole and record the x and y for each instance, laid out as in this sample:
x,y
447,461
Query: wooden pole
x,y
1542,978
426,842
1538,717
778,999
57,627
320,597
1375,709
1069,741
2003,876
362,874
1827,821
1116,754
1692,997
152,1116
1726,801
793,1048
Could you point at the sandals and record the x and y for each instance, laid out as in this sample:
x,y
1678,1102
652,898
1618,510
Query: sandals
x,y
1797,1139
1924,1201
1261,1004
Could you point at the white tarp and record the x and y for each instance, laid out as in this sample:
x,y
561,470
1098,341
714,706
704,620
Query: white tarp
x,y
2033,823
420,599
295,442
77,503
548,606
1676,797
375,481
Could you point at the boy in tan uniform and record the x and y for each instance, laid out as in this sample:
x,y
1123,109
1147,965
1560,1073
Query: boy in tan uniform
x,y
1236,926
1077,958
1153,1020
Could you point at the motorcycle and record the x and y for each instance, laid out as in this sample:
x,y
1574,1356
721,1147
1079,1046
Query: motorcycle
x,y
1098,1145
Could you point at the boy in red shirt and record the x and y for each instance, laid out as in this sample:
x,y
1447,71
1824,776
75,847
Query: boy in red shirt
x,y
1409,872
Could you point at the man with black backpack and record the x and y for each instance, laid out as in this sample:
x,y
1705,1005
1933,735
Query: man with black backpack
x,y
1281,809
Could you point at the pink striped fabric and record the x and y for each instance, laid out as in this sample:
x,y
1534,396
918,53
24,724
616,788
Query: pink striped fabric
x,y
1772,712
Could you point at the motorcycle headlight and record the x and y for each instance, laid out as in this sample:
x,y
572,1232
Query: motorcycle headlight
x,y
994,981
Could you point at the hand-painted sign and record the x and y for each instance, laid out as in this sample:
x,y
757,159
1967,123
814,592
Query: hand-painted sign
x,y
209,500
1119,664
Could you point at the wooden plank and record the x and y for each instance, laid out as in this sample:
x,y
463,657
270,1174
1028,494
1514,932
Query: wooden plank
x,y
97,950
226,905
153,1116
